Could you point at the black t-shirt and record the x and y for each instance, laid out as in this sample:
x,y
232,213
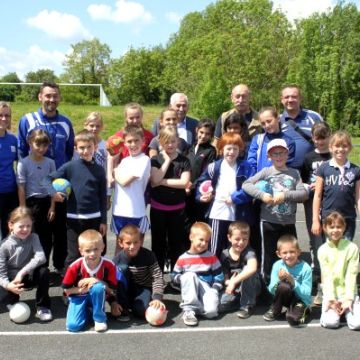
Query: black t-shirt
x,y
231,266
164,194
312,162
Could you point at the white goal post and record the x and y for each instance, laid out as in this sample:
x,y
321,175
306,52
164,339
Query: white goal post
x,y
104,101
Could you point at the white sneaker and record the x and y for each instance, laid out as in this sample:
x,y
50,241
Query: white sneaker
x,y
44,314
189,318
100,327
318,299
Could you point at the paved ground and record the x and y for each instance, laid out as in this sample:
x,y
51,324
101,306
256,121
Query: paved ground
x,y
224,338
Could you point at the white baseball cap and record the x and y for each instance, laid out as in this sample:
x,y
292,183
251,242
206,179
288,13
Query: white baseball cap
x,y
277,143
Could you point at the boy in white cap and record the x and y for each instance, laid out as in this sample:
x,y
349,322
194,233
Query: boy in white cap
x,y
279,188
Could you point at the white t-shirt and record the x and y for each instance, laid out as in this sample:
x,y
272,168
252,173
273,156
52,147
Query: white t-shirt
x,y
225,186
129,200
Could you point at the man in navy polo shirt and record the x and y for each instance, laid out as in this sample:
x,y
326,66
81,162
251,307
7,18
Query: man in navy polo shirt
x,y
61,150
297,122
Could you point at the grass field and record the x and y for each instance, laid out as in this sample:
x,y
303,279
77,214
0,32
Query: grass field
x,y
113,116
114,119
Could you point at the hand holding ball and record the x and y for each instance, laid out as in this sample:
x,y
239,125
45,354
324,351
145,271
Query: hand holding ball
x,y
62,186
156,316
206,187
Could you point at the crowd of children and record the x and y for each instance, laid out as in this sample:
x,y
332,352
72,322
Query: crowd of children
x,y
202,237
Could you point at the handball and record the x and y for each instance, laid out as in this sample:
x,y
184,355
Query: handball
x,y
264,186
115,145
19,312
155,317
62,185
205,187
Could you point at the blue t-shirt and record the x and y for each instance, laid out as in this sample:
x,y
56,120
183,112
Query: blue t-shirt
x,y
8,155
339,190
305,120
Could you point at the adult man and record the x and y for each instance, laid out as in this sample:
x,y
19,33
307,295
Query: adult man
x,y
297,122
240,97
187,125
61,150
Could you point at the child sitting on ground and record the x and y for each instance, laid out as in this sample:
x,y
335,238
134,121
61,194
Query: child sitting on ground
x,y
339,261
242,282
140,280
200,276
290,283
88,282
22,264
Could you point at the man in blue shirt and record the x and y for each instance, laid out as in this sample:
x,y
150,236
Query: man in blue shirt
x,y
297,123
61,150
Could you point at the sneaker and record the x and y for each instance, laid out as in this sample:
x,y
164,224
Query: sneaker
x,y
124,316
189,318
245,312
318,297
300,308
100,327
44,314
269,315
59,272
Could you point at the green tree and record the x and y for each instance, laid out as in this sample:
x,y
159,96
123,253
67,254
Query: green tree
x,y
230,42
136,76
30,92
9,92
327,65
87,64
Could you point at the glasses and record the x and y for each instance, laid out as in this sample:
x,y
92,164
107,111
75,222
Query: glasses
x,y
6,116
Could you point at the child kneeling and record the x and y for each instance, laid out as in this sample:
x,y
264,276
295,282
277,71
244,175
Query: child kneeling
x,y
242,282
290,283
88,282
140,280
339,260
199,273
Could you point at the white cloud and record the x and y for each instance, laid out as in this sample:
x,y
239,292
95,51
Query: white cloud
x,y
124,12
33,59
59,25
173,17
296,9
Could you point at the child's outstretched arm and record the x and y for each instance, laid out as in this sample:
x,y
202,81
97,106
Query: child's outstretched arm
x,y
316,225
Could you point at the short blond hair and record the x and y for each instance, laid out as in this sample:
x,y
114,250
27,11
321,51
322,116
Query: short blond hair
x,y
94,116
129,230
90,236
201,226
287,238
238,225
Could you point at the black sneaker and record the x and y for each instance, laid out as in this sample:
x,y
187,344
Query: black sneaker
x,y
269,315
124,316
245,312
298,314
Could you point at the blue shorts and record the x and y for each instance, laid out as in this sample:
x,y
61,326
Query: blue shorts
x,y
118,222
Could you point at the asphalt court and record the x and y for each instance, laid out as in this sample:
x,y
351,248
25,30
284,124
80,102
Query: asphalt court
x,y
220,338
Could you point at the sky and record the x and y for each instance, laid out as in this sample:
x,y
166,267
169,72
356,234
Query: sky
x,y
37,34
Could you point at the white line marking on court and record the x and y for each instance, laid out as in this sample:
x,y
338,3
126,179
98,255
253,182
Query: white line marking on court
x,y
158,331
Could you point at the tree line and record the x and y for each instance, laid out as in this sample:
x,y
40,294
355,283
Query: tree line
x,y
230,42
